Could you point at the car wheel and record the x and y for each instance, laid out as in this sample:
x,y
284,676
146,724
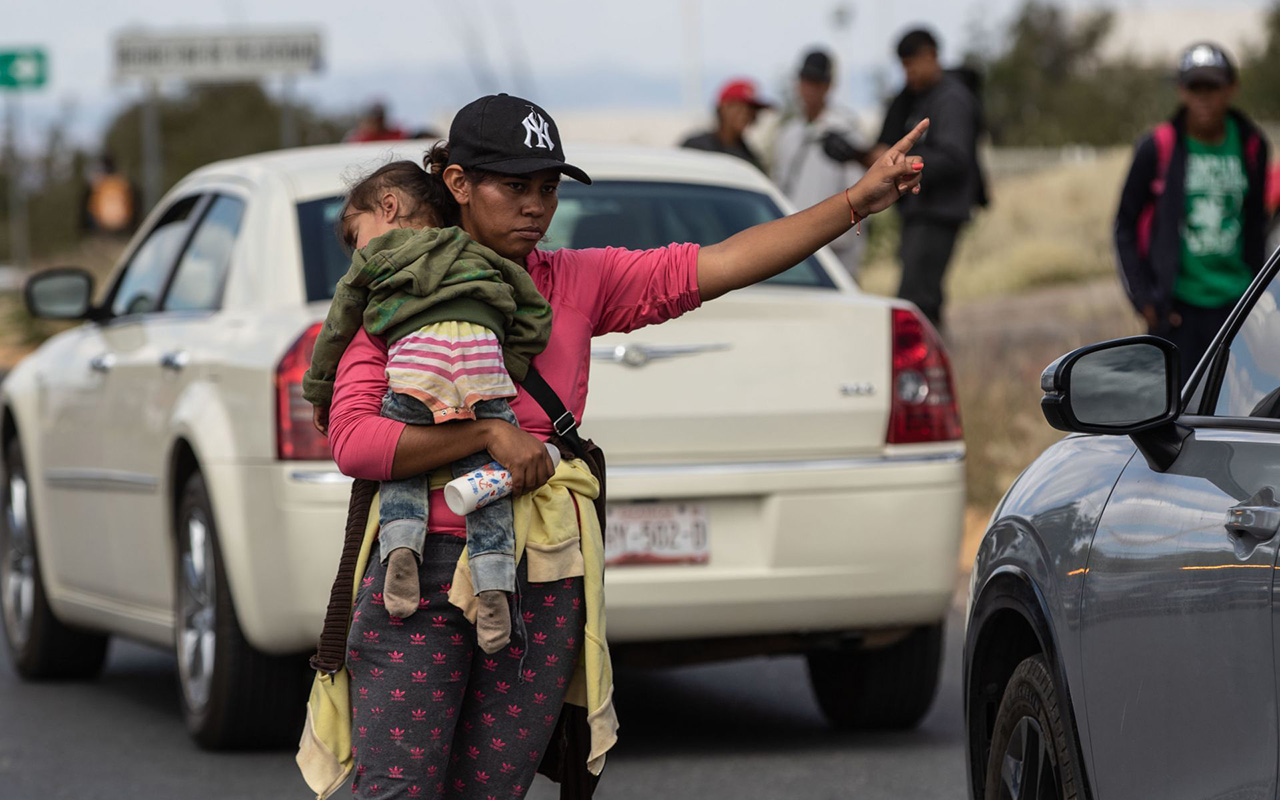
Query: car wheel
x,y
1033,751
233,695
39,645
887,688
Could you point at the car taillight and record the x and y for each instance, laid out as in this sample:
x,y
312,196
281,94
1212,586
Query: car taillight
x,y
924,403
296,438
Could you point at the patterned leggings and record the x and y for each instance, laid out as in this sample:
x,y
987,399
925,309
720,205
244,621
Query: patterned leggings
x,y
433,715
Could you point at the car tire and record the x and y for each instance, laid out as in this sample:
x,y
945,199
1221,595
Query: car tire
x,y
233,696
40,646
1033,751
887,688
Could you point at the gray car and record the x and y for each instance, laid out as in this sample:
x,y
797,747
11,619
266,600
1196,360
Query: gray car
x,y
1122,608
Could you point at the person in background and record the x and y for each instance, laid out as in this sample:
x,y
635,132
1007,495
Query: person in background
x,y
373,127
1190,232
110,203
931,221
736,109
820,151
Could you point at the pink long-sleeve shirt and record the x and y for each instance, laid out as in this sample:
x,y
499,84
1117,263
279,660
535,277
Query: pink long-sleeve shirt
x,y
591,292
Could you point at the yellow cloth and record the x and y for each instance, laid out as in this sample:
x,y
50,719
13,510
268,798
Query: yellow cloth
x,y
324,753
559,534
556,526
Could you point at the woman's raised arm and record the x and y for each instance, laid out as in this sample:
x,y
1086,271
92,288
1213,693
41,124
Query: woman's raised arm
x,y
767,249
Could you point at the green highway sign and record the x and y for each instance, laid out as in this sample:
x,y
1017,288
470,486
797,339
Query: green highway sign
x,y
23,69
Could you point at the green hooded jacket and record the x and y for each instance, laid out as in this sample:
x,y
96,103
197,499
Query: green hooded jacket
x,y
406,279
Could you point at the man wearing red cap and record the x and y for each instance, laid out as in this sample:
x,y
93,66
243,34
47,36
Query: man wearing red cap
x,y
736,109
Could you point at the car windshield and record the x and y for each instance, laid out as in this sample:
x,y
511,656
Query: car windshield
x,y
631,214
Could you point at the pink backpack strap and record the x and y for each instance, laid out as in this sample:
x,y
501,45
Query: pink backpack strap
x,y
1252,148
1165,136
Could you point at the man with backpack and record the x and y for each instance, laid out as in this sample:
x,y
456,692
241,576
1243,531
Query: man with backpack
x,y
931,221
1191,229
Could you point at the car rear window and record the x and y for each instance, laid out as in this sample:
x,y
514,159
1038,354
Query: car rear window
x,y
324,260
632,214
644,214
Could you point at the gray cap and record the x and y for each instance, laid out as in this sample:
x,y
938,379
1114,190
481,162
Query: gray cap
x,y
1206,63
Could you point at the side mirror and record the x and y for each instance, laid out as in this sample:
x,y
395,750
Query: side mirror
x,y
1125,386
60,293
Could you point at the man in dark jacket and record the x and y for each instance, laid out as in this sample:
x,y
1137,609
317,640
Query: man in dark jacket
x,y
1191,227
931,220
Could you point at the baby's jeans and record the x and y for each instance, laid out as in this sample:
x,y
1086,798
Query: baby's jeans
x,y
491,538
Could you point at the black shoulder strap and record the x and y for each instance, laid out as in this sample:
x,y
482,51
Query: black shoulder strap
x,y
562,419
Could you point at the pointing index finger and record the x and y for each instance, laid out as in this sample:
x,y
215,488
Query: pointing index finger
x,y
909,141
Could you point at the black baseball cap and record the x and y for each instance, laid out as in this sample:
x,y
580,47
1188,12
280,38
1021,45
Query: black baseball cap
x,y
506,134
816,67
1206,63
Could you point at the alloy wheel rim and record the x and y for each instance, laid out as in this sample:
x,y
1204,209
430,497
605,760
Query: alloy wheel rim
x,y
196,609
1027,771
17,564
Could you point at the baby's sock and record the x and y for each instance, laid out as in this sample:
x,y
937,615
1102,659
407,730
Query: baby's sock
x,y
493,621
401,589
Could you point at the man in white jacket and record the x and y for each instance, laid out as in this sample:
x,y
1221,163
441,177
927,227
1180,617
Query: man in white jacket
x,y
803,165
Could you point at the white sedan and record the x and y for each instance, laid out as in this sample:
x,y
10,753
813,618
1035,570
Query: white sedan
x,y
786,464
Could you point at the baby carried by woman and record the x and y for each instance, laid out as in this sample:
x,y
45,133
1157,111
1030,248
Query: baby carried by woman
x,y
460,322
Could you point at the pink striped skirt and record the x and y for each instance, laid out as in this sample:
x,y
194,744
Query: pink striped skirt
x,y
449,367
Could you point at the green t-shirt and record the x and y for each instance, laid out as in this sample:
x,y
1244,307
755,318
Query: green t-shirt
x,y
1213,271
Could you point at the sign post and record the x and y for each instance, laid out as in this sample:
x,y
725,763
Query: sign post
x,y
20,70
231,55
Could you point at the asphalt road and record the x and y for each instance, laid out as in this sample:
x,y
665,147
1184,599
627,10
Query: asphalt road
x,y
743,730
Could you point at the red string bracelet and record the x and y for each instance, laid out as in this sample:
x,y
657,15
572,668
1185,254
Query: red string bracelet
x,y
854,219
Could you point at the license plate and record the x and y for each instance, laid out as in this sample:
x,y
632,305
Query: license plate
x,y
656,533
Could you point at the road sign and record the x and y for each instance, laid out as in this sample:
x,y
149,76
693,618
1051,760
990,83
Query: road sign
x,y
210,56
23,69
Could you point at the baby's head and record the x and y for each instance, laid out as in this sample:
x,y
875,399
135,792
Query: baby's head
x,y
397,195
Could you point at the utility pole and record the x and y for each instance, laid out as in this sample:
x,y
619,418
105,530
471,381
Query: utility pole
x,y
288,120
692,54
19,247
25,68
152,158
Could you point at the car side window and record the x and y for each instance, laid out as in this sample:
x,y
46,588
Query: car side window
x,y
138,291
202,270
1251,379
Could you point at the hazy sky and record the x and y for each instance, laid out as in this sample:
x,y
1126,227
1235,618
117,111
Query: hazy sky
x,y
426,58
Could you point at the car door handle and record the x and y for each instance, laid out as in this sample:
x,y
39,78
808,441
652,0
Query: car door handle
x,y
102,363
1259,516
175,360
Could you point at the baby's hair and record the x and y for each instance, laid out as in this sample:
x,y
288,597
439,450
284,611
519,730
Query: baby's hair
x,y
424,198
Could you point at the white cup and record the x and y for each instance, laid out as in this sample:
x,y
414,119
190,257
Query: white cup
x,y
480,487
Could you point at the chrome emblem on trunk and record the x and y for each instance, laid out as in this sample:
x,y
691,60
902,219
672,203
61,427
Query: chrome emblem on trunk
x,y
638,355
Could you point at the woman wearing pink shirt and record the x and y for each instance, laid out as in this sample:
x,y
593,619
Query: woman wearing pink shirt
x,y
433,714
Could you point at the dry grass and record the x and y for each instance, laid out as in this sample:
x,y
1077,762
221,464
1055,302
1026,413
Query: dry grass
x,y
20,333
1045,228
1033,278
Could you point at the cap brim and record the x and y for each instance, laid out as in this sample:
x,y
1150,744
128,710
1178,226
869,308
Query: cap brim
x,y
527,166
815,76
1214,75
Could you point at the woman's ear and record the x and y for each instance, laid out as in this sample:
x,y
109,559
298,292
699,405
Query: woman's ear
x,y
456,181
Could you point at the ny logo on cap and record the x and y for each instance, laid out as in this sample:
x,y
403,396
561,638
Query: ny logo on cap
x,y
535,125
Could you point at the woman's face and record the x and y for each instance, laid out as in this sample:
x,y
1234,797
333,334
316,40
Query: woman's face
x,y
507,213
